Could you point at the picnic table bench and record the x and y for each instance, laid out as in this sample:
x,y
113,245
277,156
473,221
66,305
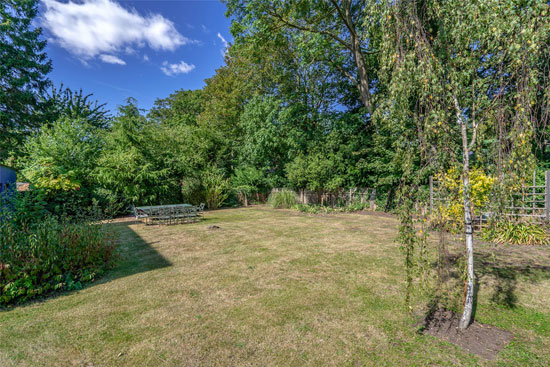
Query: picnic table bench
x,y
168,214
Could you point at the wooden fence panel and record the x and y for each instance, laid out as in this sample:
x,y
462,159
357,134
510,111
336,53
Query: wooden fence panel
x,y
336,197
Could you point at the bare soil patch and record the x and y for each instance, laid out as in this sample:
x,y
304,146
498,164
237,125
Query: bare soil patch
x,y
479,339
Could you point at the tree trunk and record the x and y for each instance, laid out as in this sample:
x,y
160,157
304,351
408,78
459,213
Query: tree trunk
x,y
469,299
466,318
363,82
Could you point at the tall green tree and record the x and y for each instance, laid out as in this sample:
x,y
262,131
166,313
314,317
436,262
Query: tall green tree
x,y
23,72
60,161
64,102
125,168
147,162
180,108
453,68
341,29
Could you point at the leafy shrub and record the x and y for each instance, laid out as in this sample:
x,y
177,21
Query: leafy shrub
x,y
357,206
246,181
24,208
48,256
316,209
216,187
481,185
59,161
35,205
284,199
517,233
309,209
192,191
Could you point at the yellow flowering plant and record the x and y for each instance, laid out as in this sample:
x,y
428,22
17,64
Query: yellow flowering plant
x,y
451,209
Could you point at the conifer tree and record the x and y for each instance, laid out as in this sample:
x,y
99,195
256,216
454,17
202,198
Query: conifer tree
x,y
23,73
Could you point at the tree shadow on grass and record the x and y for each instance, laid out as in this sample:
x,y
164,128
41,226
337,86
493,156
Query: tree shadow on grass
x,y
504,267
135,255
499,269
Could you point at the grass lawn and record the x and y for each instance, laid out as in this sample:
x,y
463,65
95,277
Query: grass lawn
x,y
271,288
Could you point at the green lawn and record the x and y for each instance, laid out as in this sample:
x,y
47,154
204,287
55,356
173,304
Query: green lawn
x,y
271,288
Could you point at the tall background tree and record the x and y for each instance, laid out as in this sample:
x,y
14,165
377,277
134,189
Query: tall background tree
x,y
339,28
23,72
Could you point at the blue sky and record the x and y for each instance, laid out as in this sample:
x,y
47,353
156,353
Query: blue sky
x,y
144,49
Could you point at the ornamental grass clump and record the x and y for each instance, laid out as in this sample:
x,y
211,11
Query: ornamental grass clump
x,y
284,199
517,233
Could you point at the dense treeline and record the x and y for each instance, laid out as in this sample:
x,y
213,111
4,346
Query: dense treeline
x,y
317,95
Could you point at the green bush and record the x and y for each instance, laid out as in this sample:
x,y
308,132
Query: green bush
x,y
517,233
284,199
316,209
216,187
59,161
50,255
356,206
192,191
24,208
310,209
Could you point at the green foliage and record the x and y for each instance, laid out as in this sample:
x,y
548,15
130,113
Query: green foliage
x,y
356,206
451,211
316,209
60,161
266,145
329,37
133,166
284,199
75,105
248,180
25,208
23,73
316,172
192,190
48,256
181,108
147,162
63,156
216,187
517,233
123,168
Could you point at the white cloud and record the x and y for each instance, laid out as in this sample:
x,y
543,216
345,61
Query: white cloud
x,y
175,69
145,58
225,44
94,27
111,59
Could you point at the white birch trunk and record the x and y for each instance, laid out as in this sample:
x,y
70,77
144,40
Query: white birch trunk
x,y
468,231
466,318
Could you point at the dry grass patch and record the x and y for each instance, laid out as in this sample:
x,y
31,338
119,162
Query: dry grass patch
x,y
268,288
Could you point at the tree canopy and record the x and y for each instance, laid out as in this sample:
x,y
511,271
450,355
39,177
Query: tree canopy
x,y
23,73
